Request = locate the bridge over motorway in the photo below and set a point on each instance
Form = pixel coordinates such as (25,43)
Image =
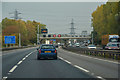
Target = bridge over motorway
(64,38)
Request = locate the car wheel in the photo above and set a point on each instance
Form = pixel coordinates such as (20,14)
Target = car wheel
(38,58)
(55,57)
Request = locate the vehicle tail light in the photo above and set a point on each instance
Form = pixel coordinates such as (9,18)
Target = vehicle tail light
(55,51)
(39,51)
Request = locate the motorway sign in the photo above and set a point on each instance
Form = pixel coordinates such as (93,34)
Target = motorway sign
(59,35)
(44,31)
(53,41)
(54,35)
(10,39)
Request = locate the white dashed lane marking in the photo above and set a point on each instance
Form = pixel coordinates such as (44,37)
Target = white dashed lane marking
(20,62)
(23,59)
(100,77)
(4,78)
(13,68)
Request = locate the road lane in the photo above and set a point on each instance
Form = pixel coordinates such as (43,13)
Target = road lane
(33,68)
(98,67)
(69,65)
(10,58)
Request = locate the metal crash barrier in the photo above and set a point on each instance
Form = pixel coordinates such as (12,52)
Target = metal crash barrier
(113,54)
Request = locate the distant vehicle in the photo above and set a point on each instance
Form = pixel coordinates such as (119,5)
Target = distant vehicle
(47,42)
(77,44)
(70,45)
(109,38)
(56,45)
(113,46)
(62,44)
(47,51)
(83,46)
(91,46)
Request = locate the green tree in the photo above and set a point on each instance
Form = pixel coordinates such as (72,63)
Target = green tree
(104,21)
(28,30)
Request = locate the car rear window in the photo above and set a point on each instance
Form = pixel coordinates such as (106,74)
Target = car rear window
(91,46)
(47,47)
(112,45)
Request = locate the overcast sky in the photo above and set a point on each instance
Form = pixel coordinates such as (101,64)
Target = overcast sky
(56,15)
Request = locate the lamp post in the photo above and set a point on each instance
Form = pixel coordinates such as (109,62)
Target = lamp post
(19,39)
(38,36)
(92,35)
(19,35)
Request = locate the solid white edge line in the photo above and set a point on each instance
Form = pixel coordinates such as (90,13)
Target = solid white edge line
(13,68)
(60,57)
(67,61)
(107,61)
(81,68)
(94,58)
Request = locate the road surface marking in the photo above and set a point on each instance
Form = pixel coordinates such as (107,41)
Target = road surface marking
(26,56)
(93,57)
(4,78)
(60,57)
(13,68)
(20,62)
(100,59)
(81,68)
(67,61)
(23,59)
(86,56)
(100,77)
(107,61)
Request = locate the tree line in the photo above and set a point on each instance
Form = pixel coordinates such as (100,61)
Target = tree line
(27,29)
(106,20)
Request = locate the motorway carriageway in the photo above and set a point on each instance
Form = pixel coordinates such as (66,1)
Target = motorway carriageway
(23,63)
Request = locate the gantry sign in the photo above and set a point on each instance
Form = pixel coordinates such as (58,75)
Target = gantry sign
(59,36)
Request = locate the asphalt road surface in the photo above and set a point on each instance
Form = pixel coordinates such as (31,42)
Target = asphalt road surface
(23,63)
